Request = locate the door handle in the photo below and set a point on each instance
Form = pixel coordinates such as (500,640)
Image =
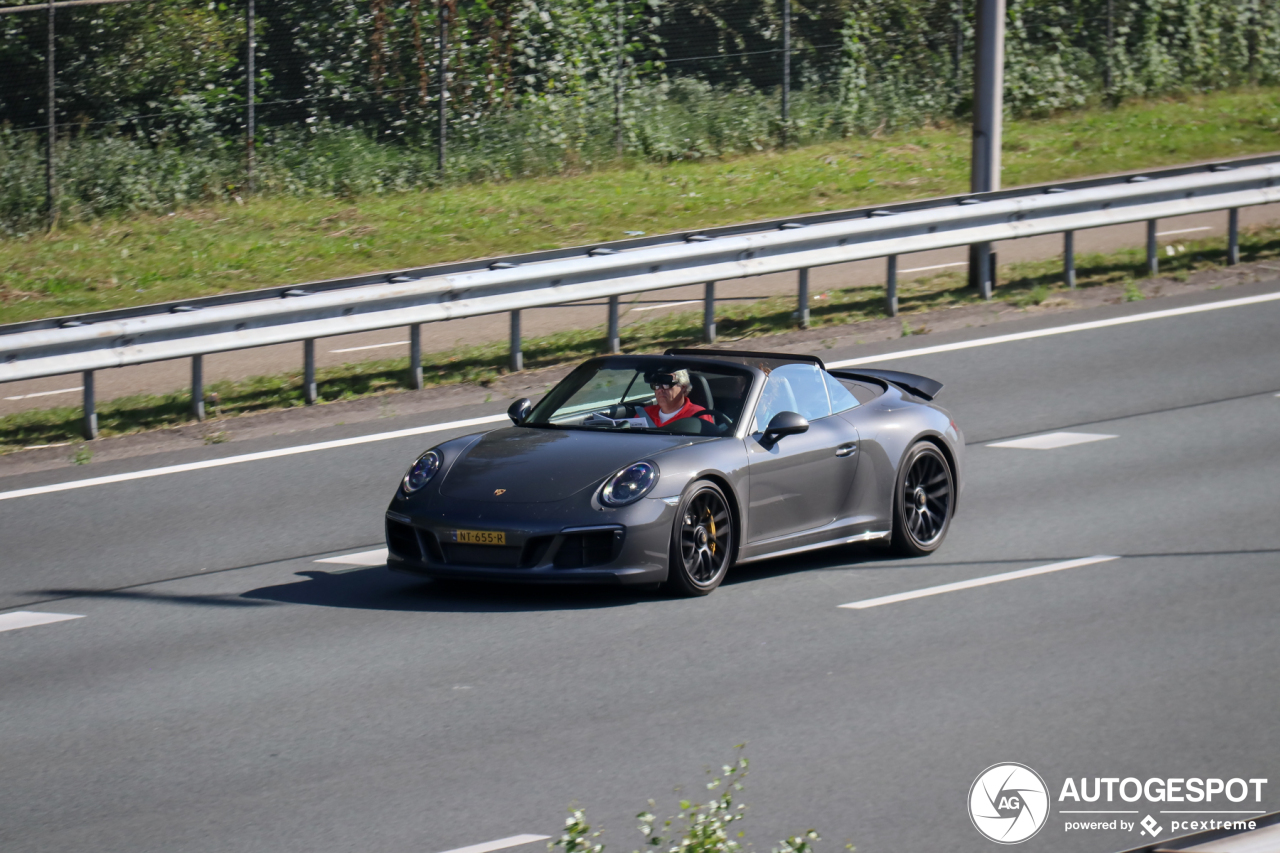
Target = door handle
(847,449)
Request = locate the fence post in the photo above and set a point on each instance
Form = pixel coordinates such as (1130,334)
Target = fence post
(1153,257)
(517,353)
(891,285)
(802,299)
(1069,257)
(250,49)
(90,429)
(1233,236)
(786,68)
(444,83)
(415,356)
(51,102)
(197,387)
(309,371)
(709,314)
(615,342)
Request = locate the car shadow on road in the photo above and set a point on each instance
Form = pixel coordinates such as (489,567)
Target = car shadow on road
(379,588)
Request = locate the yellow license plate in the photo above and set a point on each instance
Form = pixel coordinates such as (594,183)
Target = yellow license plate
(480,537)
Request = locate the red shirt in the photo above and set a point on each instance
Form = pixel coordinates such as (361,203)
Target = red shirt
(689,409)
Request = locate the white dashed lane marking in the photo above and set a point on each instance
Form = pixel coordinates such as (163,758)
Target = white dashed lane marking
(376,557)
(666,305)
(28,619)
(1052,440)
(500,844)
(989,579)
(47,393)
(372,346)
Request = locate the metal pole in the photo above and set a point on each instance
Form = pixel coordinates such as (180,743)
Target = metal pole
(1233,236)
(50,169)
(415,356)
(309,371)
(891,285)
(250,117)
(197,387)
(90,413)
(615,342)
(444,84)
(517,355)
(617,89)
(802,299)
(1107,78)
(709,314)
(1069,257)
(786,67)
(1153,258)
(988,107)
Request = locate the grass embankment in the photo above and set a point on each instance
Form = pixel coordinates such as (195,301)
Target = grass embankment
(277,240)
(1022,284)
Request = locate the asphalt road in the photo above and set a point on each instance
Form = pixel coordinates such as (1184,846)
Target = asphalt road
(169,376)
(225,691)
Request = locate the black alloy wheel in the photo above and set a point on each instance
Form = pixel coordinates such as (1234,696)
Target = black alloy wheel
(924,500)
(702,541)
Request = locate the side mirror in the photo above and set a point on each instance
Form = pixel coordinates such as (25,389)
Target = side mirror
(783,423)
(520,409)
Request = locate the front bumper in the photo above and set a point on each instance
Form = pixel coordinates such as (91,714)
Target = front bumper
(545,543)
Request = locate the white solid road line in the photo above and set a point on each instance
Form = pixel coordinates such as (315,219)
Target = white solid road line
(1060,330)
(666,305)
(990,579)
(26,619)
(372,346)
(500,844)
(936,267)
(47,393)
(1183,231)
(376,557)
(248,457)
(1052,440)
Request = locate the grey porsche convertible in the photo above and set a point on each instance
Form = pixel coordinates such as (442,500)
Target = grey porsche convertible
(671,469)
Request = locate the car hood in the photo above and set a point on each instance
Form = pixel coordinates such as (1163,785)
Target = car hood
(529,465)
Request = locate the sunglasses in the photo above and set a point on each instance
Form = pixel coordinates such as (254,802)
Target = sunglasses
(661,386)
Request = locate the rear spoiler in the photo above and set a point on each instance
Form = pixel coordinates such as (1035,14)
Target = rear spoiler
(920,386)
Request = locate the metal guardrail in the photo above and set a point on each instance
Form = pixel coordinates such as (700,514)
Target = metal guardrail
(414,297)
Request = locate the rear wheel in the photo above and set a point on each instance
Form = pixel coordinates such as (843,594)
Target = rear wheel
(923,501)
(701,541)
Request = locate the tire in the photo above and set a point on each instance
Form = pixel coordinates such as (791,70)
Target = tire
(702,541)
(923,501)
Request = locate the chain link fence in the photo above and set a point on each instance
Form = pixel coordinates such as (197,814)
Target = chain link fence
(161,103)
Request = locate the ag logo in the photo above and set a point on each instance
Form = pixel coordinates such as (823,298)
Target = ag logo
(1008,803)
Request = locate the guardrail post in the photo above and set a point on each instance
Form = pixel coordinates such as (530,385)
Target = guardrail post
(90,413)
(517,355)
(1069,257)
(891,285)
(709,314)
(1233,236)
(415,356)
(1153,258)
(197,387)
(802,299)
(982,262)
(309,371)
(615,342)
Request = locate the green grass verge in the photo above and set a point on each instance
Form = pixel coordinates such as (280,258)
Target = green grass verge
(1021,285)
(269,240)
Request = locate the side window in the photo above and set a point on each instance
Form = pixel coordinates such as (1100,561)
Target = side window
(842,398)
(792,388)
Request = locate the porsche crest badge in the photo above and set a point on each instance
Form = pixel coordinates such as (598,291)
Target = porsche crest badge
(499,491)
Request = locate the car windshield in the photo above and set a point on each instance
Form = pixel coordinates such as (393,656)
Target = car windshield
(650,395)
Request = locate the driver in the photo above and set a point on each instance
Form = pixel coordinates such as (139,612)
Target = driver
(672,391)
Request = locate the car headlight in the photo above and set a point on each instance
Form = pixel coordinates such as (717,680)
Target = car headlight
(421,472)
(630,484)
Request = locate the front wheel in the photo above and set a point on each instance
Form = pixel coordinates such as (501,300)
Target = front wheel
(923,501)
(701,541)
